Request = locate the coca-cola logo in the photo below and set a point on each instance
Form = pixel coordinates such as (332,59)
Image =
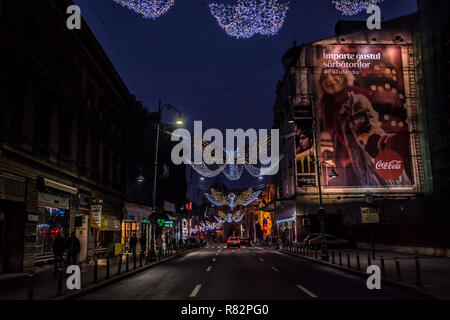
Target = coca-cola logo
(389,165)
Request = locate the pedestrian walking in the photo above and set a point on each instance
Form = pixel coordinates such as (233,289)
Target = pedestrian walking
(133,242)
(143,243)
(73,249)
(59,246)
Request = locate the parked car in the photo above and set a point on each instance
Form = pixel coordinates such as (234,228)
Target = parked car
(246,242)
(331,242)
(233,242)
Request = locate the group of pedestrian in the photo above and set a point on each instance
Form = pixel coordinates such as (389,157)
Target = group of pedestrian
(134,241)
(72,246)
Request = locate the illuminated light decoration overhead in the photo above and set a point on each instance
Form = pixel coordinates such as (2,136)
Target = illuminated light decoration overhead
(150,9)
(353,7)
(230,218)
(244,199)
(231,168)
(250,17)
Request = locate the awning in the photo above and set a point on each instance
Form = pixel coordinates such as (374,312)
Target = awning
(59,186)
(109,223)
(285,210)
(136,212)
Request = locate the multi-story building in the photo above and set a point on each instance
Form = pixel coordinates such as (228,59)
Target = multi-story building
(348,108)
(61,136)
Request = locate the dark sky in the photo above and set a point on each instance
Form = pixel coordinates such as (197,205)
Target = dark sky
(186,59)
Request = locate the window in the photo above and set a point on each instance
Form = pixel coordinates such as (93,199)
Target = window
(51,222)
(65,132)
(43,117)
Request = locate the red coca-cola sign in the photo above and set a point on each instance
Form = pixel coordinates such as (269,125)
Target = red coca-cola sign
(389,165)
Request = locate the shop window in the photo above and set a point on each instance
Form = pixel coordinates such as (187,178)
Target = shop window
(51,222)
(102,239)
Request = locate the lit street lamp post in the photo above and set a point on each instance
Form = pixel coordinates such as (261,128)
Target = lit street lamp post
(179,122)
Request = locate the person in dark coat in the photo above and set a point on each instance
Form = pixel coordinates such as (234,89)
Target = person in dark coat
(59,246)
(73,249)
(143,243)
(133,242)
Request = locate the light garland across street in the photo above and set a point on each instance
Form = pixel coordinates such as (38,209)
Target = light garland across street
(150,9)
(353,7)
(250,17)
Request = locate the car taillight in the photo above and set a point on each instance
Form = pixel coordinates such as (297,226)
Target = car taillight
(239,241)
(229,241)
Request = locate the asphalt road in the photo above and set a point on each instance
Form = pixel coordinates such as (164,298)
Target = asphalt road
(219,273)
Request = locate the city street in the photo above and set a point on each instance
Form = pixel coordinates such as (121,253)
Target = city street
(216,272)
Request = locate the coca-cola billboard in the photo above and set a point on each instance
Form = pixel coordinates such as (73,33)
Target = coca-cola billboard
(364,117)
(389,165)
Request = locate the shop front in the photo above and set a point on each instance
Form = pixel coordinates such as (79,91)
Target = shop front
(285,212)
(105,231)
(136,221)
(53,220)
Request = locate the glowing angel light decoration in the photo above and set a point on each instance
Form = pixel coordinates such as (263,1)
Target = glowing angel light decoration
(150,9)
(353,7)
(250,17)
(231,168)
(244,199)
(230,218)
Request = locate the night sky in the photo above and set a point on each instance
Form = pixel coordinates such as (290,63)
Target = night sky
(186,59)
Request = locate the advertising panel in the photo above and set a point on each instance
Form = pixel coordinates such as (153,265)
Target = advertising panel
(304,148)
(363,116)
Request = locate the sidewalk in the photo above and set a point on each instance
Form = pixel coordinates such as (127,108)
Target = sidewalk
(16,286)
(433,276)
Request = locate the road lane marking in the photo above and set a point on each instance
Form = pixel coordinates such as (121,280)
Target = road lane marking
(209,269)
(261,259)
(275,269)
(195,291)
(309,293)
(214,260)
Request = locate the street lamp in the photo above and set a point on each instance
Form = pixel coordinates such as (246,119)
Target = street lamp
(179,121)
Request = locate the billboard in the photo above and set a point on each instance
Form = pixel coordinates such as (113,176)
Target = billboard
(363,116)
(304,148)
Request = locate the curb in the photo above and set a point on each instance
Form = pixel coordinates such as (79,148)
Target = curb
(362,274)
(114,279)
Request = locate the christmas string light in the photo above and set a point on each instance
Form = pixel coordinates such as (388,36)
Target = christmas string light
(353,7)
(150,9)
(250,17)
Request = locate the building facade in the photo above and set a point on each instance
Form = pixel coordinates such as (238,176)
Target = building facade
(62,148)
(349,114)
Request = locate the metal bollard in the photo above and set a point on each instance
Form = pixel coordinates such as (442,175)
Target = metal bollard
(358,263)
(95,270)
(119,267)
(107,267)
(382,267)
(315,253)
(159,254)
(140,258)
(369,260)
(134,261)
(397,267)
(348,260)
(126,263)
(148,258)
(31,276)
(332,257)
(418,277)
(60,280)
(340,258)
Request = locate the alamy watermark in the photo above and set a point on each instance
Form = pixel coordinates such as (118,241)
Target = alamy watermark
(232,151)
